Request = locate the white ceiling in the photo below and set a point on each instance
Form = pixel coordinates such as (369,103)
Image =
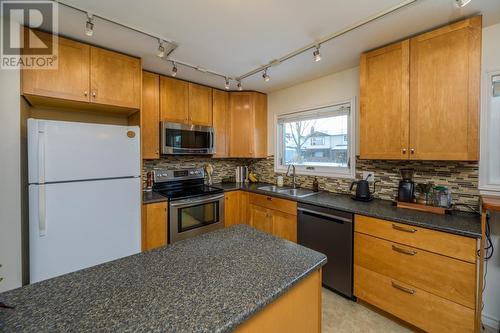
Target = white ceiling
(236,36)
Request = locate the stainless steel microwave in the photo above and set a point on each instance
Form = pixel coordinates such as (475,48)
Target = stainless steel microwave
(178,139)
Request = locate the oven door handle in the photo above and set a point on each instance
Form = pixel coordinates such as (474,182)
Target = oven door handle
(194,202)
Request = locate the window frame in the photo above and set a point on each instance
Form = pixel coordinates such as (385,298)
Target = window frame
(486,186)
(321,171)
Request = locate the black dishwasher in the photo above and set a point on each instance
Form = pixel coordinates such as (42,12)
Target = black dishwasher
(330,232)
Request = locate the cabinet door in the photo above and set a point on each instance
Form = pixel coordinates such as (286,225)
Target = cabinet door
(261,219)
(232,212)
(174,100)
(150,129)
(69,81)
(220,121)
(200,105)
(444,92)
(115,79)
(384,102)
(260,125)
(284,225)
(241,125)
(154,225)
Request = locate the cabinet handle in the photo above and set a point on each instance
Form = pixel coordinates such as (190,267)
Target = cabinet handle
(404,151)
(269,198)
(412,151)
(94,94)
(398,228)
(403,251)
(85,93)
(404,289)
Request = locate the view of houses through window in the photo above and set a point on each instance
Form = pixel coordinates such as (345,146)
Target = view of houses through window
(316,139)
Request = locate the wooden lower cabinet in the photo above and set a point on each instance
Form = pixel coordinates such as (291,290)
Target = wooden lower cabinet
(154,225)
(424,277)
(298,310)
(274,216)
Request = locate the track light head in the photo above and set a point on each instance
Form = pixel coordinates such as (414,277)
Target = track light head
(161,49)
(89,25)
(227,84)
(265,76)
(462,3)
(239,86)
(317,54)
(174,69)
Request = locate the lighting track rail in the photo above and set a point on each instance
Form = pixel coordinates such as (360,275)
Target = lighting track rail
(165,53)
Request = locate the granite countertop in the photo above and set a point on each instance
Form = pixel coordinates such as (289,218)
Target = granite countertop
(460,223)
(152,197)
(210,283)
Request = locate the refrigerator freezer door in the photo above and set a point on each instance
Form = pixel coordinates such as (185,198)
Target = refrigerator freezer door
(61,151)
(82,224)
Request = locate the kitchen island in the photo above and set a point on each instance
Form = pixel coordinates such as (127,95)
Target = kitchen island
(232,279)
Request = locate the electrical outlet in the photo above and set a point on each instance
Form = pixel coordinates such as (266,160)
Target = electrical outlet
(369,175)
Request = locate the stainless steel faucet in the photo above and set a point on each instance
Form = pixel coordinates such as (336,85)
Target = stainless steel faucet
(293,175)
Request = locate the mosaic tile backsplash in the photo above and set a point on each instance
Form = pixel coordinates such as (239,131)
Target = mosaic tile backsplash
(460,177)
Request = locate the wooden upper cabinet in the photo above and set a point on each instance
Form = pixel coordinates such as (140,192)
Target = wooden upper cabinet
(384,107)
(220,103)
(200,105)
(150,128)
(247,124)
(174,100)
(69,81)
(115,78)
(431,111)
(444,92)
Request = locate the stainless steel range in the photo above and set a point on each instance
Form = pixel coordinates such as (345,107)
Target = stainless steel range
(194,208)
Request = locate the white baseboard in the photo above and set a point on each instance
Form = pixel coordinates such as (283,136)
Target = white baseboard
(490,321)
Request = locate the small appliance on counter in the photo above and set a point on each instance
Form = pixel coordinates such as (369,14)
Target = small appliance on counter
(363,190)
(241,174)
(441,197)
(406,189)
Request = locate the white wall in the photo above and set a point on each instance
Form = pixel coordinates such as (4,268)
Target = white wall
(491,312)
(325,90)
(10,180)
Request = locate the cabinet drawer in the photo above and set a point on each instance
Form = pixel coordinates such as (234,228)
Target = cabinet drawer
(420,308)
(454,246)
(285,206)
(449,278)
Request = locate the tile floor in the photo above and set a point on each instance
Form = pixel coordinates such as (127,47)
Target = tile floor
(341,315)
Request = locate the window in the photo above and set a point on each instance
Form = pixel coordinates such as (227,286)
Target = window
(317,141)
(489,165)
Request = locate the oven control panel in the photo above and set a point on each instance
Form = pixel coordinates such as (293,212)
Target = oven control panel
(168,175)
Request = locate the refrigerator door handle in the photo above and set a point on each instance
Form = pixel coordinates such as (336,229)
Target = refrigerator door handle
(42,216)
(41,153)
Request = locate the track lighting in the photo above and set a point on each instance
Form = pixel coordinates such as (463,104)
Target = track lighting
(174,69)
(227,85)
(161,49)
(462,3)
(265,76)
(89,25)
(239,86)
(317,54)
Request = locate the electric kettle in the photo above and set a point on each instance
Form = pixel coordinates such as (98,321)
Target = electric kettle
(363,190)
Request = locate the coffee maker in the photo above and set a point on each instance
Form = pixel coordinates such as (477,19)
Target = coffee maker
(406,189)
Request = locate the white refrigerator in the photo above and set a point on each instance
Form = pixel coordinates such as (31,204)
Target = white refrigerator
(84,195)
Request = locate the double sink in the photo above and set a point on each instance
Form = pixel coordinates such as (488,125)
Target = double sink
(293,192)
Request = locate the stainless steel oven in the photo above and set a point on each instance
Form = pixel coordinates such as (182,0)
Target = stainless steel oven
(194,216)
(186,139)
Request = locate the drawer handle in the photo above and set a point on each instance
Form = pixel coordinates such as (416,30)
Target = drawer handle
(269,198)
(404,289)
(397,227)
(403,251)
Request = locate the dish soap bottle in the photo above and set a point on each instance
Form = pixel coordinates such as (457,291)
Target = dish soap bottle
(315,185)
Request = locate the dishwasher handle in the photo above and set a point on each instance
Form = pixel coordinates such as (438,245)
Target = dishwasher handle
(335,218)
